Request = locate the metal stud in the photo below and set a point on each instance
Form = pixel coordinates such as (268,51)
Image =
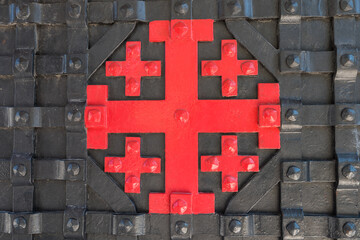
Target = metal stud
(125,225)
(19,223)
(349,229)
(293,61)
(181,227)
(19,170)
(292,115)
(293,228)
(348,114)
(349,171)
(235,226)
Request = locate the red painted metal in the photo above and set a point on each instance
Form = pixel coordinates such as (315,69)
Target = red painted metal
(132,165)
(229,68)
(133,69)
(182,116)
(229,163)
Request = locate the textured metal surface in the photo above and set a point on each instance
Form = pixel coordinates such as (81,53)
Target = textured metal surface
(53,188)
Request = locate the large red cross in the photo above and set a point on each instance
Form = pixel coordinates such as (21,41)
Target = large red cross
(182,116)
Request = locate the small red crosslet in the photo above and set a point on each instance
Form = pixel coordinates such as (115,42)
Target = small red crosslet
(133,69)
(229,68)
(133,165)
(229,163)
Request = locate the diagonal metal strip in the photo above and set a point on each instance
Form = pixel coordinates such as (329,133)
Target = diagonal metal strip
(108,44)
(256,44)
(107,189)
(258,186)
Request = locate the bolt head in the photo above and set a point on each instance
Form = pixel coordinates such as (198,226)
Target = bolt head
(22,117)
(21,64)
(181,116)
(94,115)
(229,49)
(248,68)
(230,145)
(347,60)
(115,163)
(22,11)
(293,173)
(181,7)
(234,6)
(291,6)
(292,115)
(74,10)
(180,206)
(211,68)
(248,164)
(293,61)
(133,147)
(151,68)
(75,63)
(229,87)
(180,29)
(133,85)
(125,225)
(19,170)
(73,225)
(349,229)
(270,115)
(132,182)
(151,165)
(73,169)
(346,5)
(349,171)
(126,11)
(348,114)
(235,226)
(230,183)
(19,223)
(74,116)
(181,227)
(293,228)
(114,69)
(213,163)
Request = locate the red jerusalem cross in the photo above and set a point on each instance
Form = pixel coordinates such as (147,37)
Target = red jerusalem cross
(182,116)
(229,68)
(132,165)
(229,163)
(133,69)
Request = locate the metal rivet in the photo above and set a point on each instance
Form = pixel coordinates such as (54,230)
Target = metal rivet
(179,206)
(347,60)
(22,116)
(19,223)
(74,10)
(22,11)
(346,5)
(234,7)
(235,226)
(349,171)
(292,115)
(291,6)
(270,115)
(181,115)
(181,227)
(21,64)
(73,225)
(74,116)
(126,11)
(19,170)
(293,228)
(293,173)
(73,169)
(181,7)
(293,61)
(125,225)
(349,229)
(75,63)
(348,114)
